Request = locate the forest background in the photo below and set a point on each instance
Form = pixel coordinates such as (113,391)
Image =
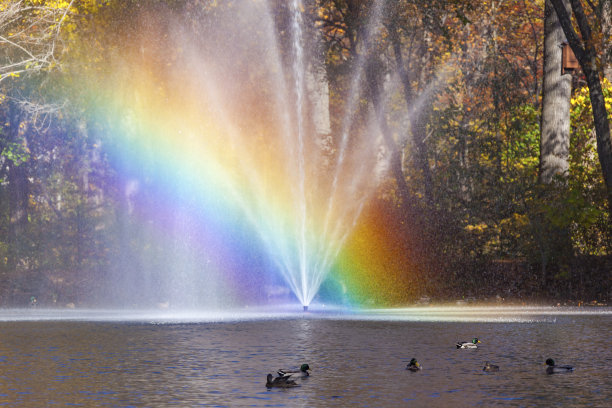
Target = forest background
(467,211)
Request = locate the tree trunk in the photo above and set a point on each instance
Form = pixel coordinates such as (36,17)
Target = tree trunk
(602,129)
(555,240)
(374,89)
(18,192)
(416,121)
(18,197)
(557,89)
(412,218)
(606,29)
(318,91)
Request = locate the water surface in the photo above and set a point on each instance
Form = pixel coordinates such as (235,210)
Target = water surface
(97,359)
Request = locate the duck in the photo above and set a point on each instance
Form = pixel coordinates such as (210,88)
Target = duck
(303,371)
(280,382)
(468,344)
(553,368)
(414,365)
(490,367)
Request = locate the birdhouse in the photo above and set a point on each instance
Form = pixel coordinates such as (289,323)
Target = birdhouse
(569,62)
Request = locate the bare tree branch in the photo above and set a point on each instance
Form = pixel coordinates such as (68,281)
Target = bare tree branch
(29,37)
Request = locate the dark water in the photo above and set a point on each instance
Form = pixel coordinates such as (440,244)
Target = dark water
(356,361)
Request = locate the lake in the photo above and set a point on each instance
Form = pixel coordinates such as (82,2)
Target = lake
(153,359)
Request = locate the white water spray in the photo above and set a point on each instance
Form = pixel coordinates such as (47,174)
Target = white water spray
(298,68)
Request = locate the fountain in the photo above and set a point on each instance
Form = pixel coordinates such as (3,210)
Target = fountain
(235,186)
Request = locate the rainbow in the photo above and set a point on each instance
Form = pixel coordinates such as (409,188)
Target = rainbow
(211,141)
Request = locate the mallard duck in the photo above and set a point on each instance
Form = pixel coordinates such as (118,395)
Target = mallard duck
(490,367)
(414,365)
(552,368)
(468,344)
(303,371)
(284,381)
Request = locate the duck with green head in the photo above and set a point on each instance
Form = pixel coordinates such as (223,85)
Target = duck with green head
(468,344)
(414,365)
(302,371)
(552,368)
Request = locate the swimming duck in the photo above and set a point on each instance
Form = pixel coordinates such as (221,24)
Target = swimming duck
(414,365)
(468,344)
(552,368)
(303,371)
(490,367)
(280,382)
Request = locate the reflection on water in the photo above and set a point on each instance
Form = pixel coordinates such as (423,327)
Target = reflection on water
(357,360)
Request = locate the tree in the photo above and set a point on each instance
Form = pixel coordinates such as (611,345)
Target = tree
(584,47)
